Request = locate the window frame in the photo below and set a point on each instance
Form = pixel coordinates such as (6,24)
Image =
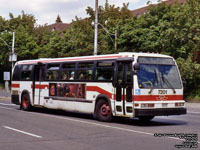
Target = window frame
(84,69)
(68,69)
(105,67)
(47,69)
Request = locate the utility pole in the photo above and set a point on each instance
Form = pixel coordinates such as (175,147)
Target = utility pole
(115,40)
(96,29)
(13,49)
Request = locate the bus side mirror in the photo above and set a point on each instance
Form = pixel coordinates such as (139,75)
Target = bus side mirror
(136,67)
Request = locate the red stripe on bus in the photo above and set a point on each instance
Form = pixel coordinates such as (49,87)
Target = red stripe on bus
(137,97)
(38,86)
(15,85)
(122,97)
(70,59)
(99,90)
(157,97)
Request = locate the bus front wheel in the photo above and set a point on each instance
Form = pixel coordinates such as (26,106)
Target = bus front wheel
(103,111)
(26,104)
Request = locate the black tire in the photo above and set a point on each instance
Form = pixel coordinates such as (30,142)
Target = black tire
(26,103)
(103,111)
(146,118)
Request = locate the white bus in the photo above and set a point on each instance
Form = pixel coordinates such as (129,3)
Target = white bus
(141,85)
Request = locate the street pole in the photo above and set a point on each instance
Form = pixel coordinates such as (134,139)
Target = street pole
(116,40)
(13,50)
(96,29)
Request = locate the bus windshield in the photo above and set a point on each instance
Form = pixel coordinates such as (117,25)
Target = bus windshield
(158,76)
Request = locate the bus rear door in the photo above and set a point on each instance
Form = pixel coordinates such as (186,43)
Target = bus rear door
(36,85)
(123,89)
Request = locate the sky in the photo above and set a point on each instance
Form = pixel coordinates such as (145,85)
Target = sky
(46,11)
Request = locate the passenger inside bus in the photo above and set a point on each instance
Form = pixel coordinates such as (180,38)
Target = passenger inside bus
(64,76)
(81,76)
(100,77)
(72,76)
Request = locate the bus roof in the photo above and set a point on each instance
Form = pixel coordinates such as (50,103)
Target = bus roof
(87,58)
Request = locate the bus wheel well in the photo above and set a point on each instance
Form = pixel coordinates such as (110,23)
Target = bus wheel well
(103,110)
(25,101)
(23,93)
(102,97)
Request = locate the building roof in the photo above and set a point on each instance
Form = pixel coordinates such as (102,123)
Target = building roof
(59,26)
(143,10)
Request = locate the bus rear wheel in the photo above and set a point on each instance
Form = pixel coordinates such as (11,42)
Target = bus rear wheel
(26,104)
(103,111)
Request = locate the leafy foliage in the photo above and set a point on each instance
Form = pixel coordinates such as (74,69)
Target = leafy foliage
(190,73)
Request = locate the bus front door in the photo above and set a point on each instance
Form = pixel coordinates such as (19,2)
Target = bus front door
(36,84)
(124,88)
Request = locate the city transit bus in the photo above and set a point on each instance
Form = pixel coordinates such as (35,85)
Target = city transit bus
(141,85)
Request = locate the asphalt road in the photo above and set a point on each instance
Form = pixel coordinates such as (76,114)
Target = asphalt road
(45,129)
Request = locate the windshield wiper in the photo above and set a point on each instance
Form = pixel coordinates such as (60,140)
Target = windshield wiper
(165,80)
(155,79)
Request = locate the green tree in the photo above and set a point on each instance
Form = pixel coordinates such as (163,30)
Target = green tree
(25,42)
(190,72)
(58,19)
(78,40)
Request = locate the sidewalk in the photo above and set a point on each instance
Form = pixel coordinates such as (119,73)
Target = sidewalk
(6,95)
(192,105)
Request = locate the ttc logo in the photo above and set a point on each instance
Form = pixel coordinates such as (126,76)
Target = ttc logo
(162,98)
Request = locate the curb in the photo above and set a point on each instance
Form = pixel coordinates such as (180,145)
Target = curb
(5,98)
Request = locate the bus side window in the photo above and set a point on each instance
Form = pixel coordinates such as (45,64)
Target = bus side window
(52,72)
(104,70)
(52,75)
(120,73)
(85,71)
(128,73)
(67,75)
(26,73)
(16,73)
(68,71)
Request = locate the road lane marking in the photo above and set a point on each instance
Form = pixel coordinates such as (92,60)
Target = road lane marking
(20,131)
(101,125)
(193,112)
(7,108)
(7,104)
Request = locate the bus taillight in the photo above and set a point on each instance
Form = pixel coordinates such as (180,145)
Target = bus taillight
(179,104)
(147,105)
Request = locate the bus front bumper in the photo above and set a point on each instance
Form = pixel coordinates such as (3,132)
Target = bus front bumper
(160,112)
